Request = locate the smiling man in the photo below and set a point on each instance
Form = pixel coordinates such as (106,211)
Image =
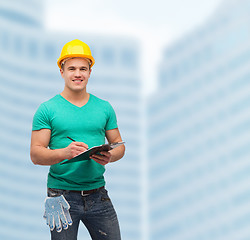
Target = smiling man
(76,191)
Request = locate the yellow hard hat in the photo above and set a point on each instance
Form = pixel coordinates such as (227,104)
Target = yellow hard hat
(75,48)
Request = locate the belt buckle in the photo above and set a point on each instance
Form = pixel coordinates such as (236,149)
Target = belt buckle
(84,194)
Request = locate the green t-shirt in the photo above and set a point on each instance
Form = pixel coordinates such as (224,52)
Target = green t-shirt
(83,124)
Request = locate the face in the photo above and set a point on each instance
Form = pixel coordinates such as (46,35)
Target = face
(76,73)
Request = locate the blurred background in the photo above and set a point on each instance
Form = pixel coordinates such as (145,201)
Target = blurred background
(178,76)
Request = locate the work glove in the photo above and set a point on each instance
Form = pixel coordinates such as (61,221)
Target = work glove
(57,213)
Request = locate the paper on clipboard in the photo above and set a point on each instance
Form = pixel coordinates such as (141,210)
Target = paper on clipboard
(94,150)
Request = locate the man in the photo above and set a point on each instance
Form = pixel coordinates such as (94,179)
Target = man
(76,191)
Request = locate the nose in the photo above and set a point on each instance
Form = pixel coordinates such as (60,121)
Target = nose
(77,73)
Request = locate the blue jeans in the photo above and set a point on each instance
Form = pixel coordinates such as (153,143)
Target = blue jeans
(94,210)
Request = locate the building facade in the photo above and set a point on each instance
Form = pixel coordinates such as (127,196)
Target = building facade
(28,76)
(198,133)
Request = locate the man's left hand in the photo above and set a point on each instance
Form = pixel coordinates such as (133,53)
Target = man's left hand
(102,159)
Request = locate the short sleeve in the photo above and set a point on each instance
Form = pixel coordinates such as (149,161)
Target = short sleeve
(112,120)
(41,118)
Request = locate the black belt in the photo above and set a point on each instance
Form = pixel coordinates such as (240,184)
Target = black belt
(85,192)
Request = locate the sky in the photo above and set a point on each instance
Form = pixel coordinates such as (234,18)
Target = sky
(157,24)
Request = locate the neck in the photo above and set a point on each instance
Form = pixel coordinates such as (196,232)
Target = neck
(77,98)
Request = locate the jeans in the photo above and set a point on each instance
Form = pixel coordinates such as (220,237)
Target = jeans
(94,210)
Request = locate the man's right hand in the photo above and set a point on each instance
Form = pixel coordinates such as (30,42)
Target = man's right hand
(40,153)
(74,149)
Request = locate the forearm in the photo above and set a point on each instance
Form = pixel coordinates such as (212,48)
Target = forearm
(117,153)
(44,156)
(41,155)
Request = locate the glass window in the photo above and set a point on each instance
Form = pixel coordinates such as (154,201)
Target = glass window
(32,49)
(50,52)
(5,40)
(18,45)
(128,58)
(108,55)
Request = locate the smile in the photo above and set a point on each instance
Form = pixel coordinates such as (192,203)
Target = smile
(77,80)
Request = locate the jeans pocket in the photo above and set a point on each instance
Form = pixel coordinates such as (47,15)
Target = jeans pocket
(104,196)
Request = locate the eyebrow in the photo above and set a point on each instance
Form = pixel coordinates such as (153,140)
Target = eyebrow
(70,67)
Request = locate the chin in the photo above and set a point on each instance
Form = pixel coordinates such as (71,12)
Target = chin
(78,89)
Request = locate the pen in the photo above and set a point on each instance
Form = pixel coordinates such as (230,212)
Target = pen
(71,139)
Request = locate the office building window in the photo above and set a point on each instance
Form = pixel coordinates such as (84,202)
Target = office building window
(5,40)
(108,56)
(128,58)
(50,52)
(18,45)
(33,49)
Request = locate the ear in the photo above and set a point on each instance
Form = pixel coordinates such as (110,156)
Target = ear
(61,71)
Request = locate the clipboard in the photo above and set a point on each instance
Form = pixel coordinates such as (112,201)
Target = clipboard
(94,150)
